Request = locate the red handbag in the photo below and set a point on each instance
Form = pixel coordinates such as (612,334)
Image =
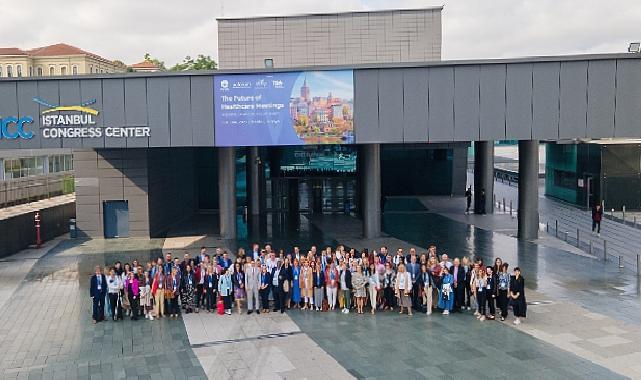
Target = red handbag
(220,306)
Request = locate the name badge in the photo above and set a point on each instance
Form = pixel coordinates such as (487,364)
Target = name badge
(159,286)
(489,287)
(295,277)
(211,285)
(99,287)
(189,282)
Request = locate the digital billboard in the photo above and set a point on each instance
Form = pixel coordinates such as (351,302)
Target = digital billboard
(289,108)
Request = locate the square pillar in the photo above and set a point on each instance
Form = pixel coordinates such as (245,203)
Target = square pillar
(371,156)
(484,177)
(227,191)
(528,209)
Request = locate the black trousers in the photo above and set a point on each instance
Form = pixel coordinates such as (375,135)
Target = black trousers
(416,302)
(210,298)
(467,294)
(264,298)
(503,302)
(491,304)
(276,294)
(284,296)
(389,296)
(199,296)
(135,306)
(98,308)
(116,307)
(459,296)
(173,305)
(481,297)
(227,302)
(596,225)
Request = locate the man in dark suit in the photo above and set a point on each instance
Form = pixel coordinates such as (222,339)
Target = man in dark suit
(458,272)
(98,292)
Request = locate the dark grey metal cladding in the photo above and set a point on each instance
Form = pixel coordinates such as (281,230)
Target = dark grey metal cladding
(627,122)
(202,110)
(8,108)
(601,98)
(158,106)
(49,91)
(366,128)
(113,109)
(492,102)
(27,107)
(518,110)
(440,118)
(466,103)
(136,110)
(180,126)
(390,102)
(573,100)
(545,101)
(415,89)
(89,90)
(70,95)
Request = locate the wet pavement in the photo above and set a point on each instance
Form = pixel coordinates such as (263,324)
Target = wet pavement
(46,329)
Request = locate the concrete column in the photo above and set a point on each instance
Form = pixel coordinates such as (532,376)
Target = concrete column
(483,177)
(227,192)
(371,155)
(254,168)
(528,211)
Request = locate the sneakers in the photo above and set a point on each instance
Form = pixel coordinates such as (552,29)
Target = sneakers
(482,318)
(446,312)
(502,319)
(469,308)
(477,314)
(517,321)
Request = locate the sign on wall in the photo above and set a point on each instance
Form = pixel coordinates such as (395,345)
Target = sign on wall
(291,108)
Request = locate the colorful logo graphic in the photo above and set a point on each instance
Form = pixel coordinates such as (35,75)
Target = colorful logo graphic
(82,107)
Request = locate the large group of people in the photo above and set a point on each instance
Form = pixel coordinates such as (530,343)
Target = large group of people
(264,280)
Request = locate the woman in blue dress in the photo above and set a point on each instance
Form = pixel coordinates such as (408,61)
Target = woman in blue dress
(296,284)
(446,294)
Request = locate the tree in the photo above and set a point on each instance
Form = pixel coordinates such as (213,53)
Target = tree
(158,63)
(202,62)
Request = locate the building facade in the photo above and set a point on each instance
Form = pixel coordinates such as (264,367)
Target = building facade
(54,60)
(350,38)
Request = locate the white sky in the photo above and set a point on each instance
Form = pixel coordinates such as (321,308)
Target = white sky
(170,30)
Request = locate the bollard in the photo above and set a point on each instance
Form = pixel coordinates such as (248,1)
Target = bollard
(556,228)
(620,261)
(638,265)
(634,222)
(590,247)
(510,207)
(612,214)
(605,250)
(578,241)
(504,204)
(623,214)
(547,227)
(566,236)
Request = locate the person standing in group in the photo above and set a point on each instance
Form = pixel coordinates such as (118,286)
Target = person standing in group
(491,293)
(331,283)
(145,296)
(414,270)
(114,287)
(133,291)
(597,215)
(358,284)
(373,285)
(345,280)
(306,285)
(468,197)
(265,281)
(503,285)
(403,289)
(98,292)
(188,286)
(458,275)
(389,284)
(426,284)
(172,290)
(158,291)
(286,275)
(276,284)
(296,293)
(446,295)
(318,280)
(480,292)
(225,288)
(517,294)
(465,263)
(238,281)
(252,286)
(211,289)
(126,305)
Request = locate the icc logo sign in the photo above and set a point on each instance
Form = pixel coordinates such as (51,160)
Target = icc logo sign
(11,128)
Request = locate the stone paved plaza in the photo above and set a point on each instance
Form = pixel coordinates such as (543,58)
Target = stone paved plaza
(586,327)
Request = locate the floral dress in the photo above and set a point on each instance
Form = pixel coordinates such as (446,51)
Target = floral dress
(358,284)
(187,297)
